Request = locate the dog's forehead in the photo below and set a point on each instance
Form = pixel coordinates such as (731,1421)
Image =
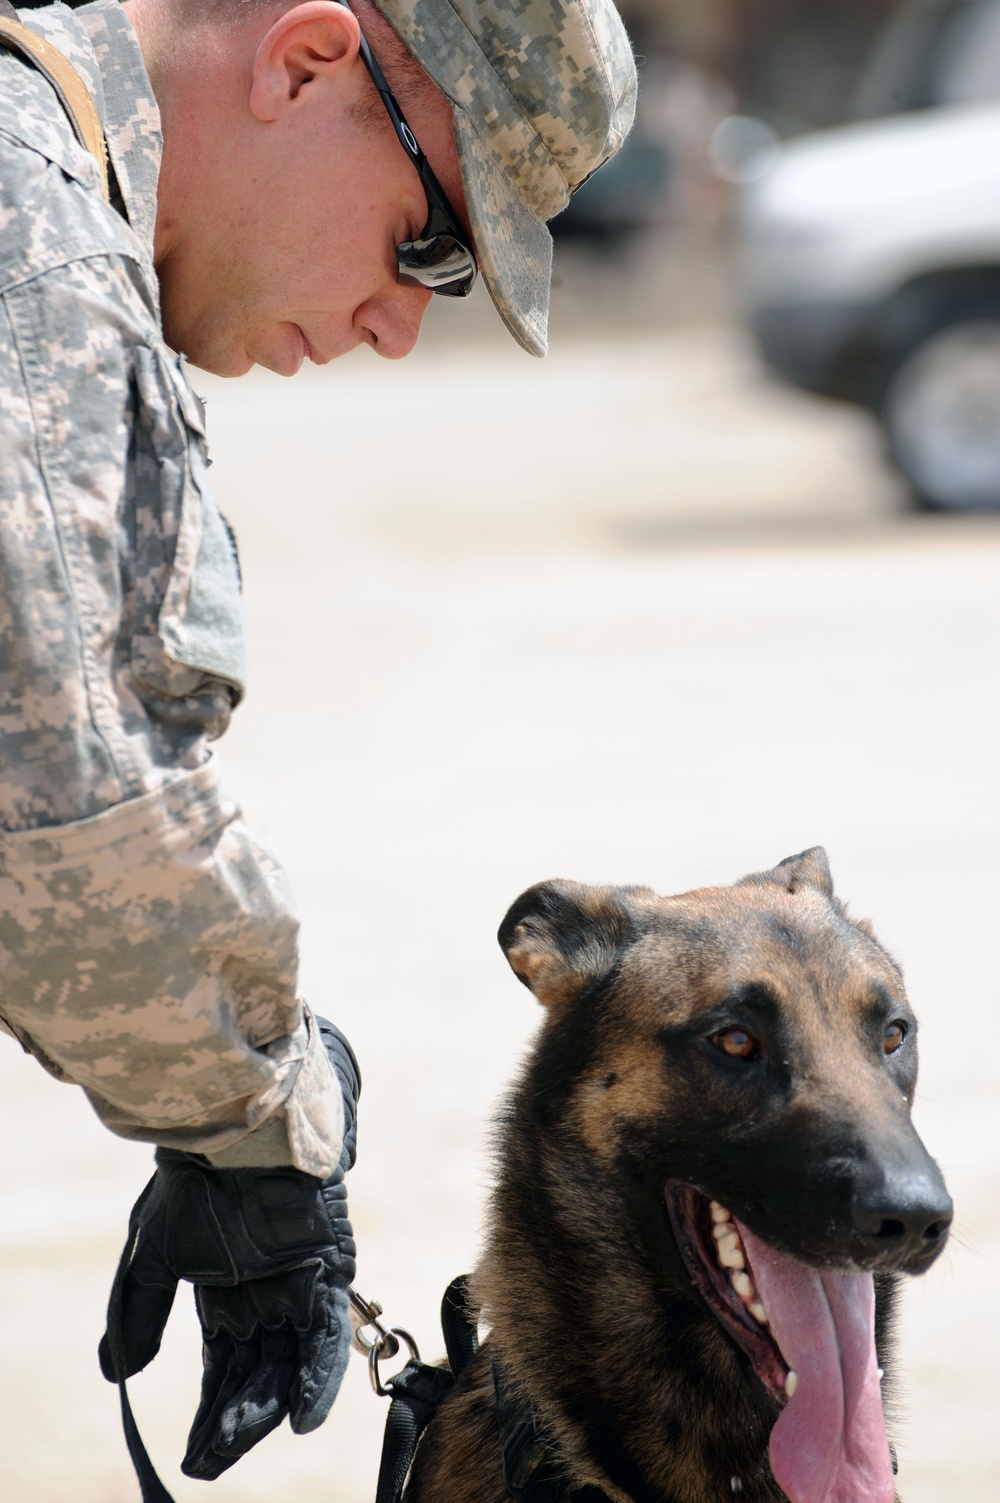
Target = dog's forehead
(725,937)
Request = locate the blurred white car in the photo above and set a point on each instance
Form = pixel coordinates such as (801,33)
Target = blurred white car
(872,253)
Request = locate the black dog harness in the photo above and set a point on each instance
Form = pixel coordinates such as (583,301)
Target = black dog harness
(533,1469)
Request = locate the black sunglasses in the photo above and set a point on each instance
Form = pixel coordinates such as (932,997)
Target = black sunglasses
(440,258)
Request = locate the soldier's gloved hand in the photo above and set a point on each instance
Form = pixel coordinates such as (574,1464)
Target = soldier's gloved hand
(271,1254)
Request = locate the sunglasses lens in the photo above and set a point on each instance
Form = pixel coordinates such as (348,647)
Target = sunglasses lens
(439,262)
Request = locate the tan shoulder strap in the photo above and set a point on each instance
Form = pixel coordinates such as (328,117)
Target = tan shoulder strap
(69,86)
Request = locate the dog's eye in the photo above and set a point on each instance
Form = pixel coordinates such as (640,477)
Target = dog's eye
(894,1035)
(737,1043)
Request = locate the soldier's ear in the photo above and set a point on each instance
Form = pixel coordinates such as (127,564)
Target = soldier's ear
(808,869)
(560,936)
(301,57)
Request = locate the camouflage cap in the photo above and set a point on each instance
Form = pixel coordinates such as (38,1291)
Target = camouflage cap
(543,94)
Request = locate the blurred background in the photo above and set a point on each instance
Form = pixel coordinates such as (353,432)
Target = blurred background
(714,582)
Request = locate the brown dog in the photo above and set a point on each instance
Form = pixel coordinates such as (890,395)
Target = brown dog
(708,1180)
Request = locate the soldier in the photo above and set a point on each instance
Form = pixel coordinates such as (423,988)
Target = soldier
(263,199)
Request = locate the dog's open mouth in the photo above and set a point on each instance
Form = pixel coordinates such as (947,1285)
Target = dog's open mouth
(809,1335)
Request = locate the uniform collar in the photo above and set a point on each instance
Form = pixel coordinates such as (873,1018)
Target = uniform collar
(131,116)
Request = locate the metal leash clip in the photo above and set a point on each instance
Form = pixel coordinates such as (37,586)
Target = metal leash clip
(383,1344)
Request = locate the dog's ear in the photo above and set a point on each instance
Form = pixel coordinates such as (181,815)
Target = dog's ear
(808,869)
(559,936)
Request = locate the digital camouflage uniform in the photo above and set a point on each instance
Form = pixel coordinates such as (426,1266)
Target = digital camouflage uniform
(147,944)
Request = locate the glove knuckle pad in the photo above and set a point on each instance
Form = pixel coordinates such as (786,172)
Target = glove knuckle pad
(283,1212)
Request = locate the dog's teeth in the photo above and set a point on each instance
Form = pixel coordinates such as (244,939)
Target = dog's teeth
(743,1284)
(719,1212)
(791,1383)
(730,1253)
(724,1229)
(759,1313)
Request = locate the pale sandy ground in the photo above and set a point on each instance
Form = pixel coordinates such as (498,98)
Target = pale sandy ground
(630,615)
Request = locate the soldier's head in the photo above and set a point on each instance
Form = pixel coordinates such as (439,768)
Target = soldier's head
(300,216)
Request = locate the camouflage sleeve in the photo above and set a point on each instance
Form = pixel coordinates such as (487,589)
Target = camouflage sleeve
(148,947)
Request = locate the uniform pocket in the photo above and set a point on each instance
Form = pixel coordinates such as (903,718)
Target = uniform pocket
(188,643)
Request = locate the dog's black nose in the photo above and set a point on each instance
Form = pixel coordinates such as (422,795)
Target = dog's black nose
(904,1215)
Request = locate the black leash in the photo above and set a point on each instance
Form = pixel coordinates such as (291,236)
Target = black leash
(416,1391)
(150,1485)
(532,1467)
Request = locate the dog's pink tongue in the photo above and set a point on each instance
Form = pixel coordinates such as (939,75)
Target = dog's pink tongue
(829,1444)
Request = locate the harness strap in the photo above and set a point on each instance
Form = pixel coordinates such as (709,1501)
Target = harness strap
(419,1389)
(461,1336)
(533,1470)
(416,1393)
(70,88)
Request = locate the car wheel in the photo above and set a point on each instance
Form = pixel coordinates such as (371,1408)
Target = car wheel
(941,410)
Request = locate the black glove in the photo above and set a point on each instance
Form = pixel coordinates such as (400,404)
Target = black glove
(271,1254)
